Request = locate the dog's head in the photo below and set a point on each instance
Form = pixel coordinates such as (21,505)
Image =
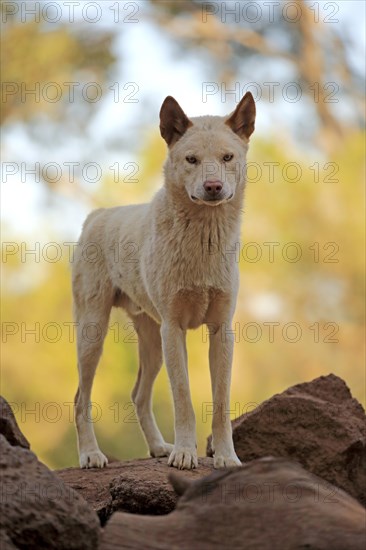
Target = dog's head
(207,155)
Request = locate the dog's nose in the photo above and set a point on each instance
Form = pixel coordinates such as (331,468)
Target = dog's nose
(212,187)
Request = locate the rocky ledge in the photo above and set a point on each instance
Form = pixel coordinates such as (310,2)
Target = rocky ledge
(302,485)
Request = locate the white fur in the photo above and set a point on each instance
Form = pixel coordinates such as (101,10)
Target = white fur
(168,264)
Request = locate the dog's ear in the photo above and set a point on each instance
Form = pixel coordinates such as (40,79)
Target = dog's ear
(242,120)
(173,121)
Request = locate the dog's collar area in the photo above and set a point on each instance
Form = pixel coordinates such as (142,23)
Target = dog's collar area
(212,202)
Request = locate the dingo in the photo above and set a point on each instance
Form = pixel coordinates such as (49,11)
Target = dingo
(182,276)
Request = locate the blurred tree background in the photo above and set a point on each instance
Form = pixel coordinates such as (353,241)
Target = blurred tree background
(82,87)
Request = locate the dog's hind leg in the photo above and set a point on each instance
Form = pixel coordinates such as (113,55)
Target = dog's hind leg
(91,331)
(150,361)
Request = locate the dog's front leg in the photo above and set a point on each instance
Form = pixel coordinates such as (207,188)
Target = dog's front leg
(184,454)
(221,355)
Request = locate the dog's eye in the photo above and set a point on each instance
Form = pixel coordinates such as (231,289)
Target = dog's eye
(191,159)
(227,157)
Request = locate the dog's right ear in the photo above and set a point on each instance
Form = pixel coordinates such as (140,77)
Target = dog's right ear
(173,121)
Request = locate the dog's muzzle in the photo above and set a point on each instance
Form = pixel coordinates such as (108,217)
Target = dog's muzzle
(212,193)
(211,201)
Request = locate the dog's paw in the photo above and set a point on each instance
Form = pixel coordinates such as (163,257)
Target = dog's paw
(226,461)
(183,458)
(165,449)
(93,459)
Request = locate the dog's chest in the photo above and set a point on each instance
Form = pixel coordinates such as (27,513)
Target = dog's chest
(201,256)
(188,307)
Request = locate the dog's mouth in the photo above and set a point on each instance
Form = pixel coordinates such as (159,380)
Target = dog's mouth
(212,202)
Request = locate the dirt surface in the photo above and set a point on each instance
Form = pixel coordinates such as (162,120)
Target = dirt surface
(137,486)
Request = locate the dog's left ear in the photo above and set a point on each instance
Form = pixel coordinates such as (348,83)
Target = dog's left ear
(242,120)
(173,121)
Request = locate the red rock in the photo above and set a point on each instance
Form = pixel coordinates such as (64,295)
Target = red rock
(266,505)
(37,510)
(9,427)
(138,486)
(319,424)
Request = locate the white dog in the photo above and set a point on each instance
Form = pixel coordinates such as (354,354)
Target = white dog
(181,277)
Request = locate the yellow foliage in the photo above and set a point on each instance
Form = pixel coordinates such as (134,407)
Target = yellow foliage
(313,306)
